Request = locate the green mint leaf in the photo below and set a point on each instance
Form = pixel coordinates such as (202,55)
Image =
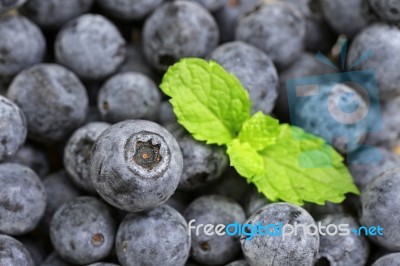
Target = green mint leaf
(259,131)
(208,101)
(298,167)
(247,162)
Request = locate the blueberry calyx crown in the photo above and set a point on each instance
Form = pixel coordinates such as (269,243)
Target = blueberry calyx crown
(147,154)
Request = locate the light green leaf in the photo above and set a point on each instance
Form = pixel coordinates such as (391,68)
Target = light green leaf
(208,101)
(247,161)
(259,131)
(302,167)
(298,167)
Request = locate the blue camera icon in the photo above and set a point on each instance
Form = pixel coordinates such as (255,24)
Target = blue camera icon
(342,108)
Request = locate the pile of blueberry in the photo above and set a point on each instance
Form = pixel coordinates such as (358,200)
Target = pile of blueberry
(95,170)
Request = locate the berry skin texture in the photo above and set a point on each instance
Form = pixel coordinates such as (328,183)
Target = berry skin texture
(152,238)
(343,250)
(202,163)
(53,100)
(91,46)
(82,231)
(6,5)
(165,42)
(33,157)
(55,260)
(103,264)
(392,259)
(255,71)
(136,165)
(22,199)
(13,252)
(388,10)
(384,43)
(253,201)
(77,154)
(228,15)
(266,250)
(129,96)
(211,5)
(129,9)
(15,52)
(52,14)
(363,173)
(387,136)
(59,190)
(13,128)
(277,28)
(213,209)
(238,263)
(380,200)
(354,15)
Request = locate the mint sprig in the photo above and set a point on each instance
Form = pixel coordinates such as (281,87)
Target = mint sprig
(284,162)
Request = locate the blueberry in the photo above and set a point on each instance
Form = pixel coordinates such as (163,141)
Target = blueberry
(306,65)
(253,201)
(334,114)
(379,201)
(129,96)
(13,252)
(320,211)
(52,14)
(164,40)
(179,200)
(266,250)
(6,5)
(77,154)
(55,260)
(91,46)
(13,128)
(53,100)
(255,71)
(103,264)
(230,185)
(238,263)
(387,10)
(202,163)
(211,5)
(228,15)
(367,164)
(319,34)
(22,199)
(16,53)
(129,9)
(136,165)
(342,250)
(156,237)
(277,28)
(59,190)
(135,61)
(33,157)
(166,114)
(36,248)
(82,231)
(392,259)
(387,135)
(381,40)
(213,209)
(354,15)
